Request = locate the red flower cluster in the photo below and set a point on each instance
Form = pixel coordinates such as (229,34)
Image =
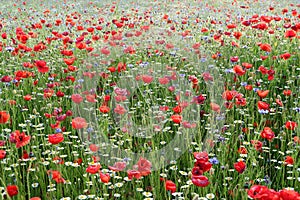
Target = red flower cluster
(260,192)
(201,165)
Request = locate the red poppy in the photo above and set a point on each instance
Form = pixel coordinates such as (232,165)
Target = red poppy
(177,109)
(258,192)
(133,174)
(20,138)
(289,195)
(257,144)
(262,105)
(35,198)
(201,156)
(41,66)
(91,98)
(278,102)
(2,154)
(27,97)
(200,181)
(290,34)
(196,171)
(289,160)
(104,109)
(12,190)
(291,125)
(56,138)
(240,166)
(287,92)
(263,70)
(249,87)
(163,80)
(144,166)
(93,169)
(266,47)
(69,61)
(56,176)
(170,186)
(120,109)
(267,133)
(4,117)
(239,70)
(176,119)
(76,98)
(79,123)
(118,166)
(263,93)
(215,107)
(242,150)
(94,147)
(147,78)
(104,177)
(285,56)
(204,166)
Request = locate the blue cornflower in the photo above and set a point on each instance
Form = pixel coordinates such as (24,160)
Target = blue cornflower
(214,161)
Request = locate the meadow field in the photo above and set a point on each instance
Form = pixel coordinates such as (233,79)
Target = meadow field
(144,100)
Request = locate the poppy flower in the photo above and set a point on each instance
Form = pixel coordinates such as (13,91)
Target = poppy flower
(104,109)
(278,102)
(19,138)
(267,133)
(56,138)
(285,56)
(201,156)
(163,80)
(6,79)
(2,154)
(105,51)
(291,125)
(170,186)
(12,190)
(177,109)
(79,123)
(118,166)
(200,181)
(204,166)
(104,177)
(239,70)
(242,150)
(289,160)
(147,78)
(257,144)
(263,93)
(287,92)
(120,109)
(144,166)
(196,171)
(215,107)
(263,70)
(240,166)
(133,174)
(289,194)
(35,198)
(262,105)
(93,169)
(4,117)
(41,66)
(56,176)
(266,47)
(258,192)
(176,119)
(76,98)
(290,34)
